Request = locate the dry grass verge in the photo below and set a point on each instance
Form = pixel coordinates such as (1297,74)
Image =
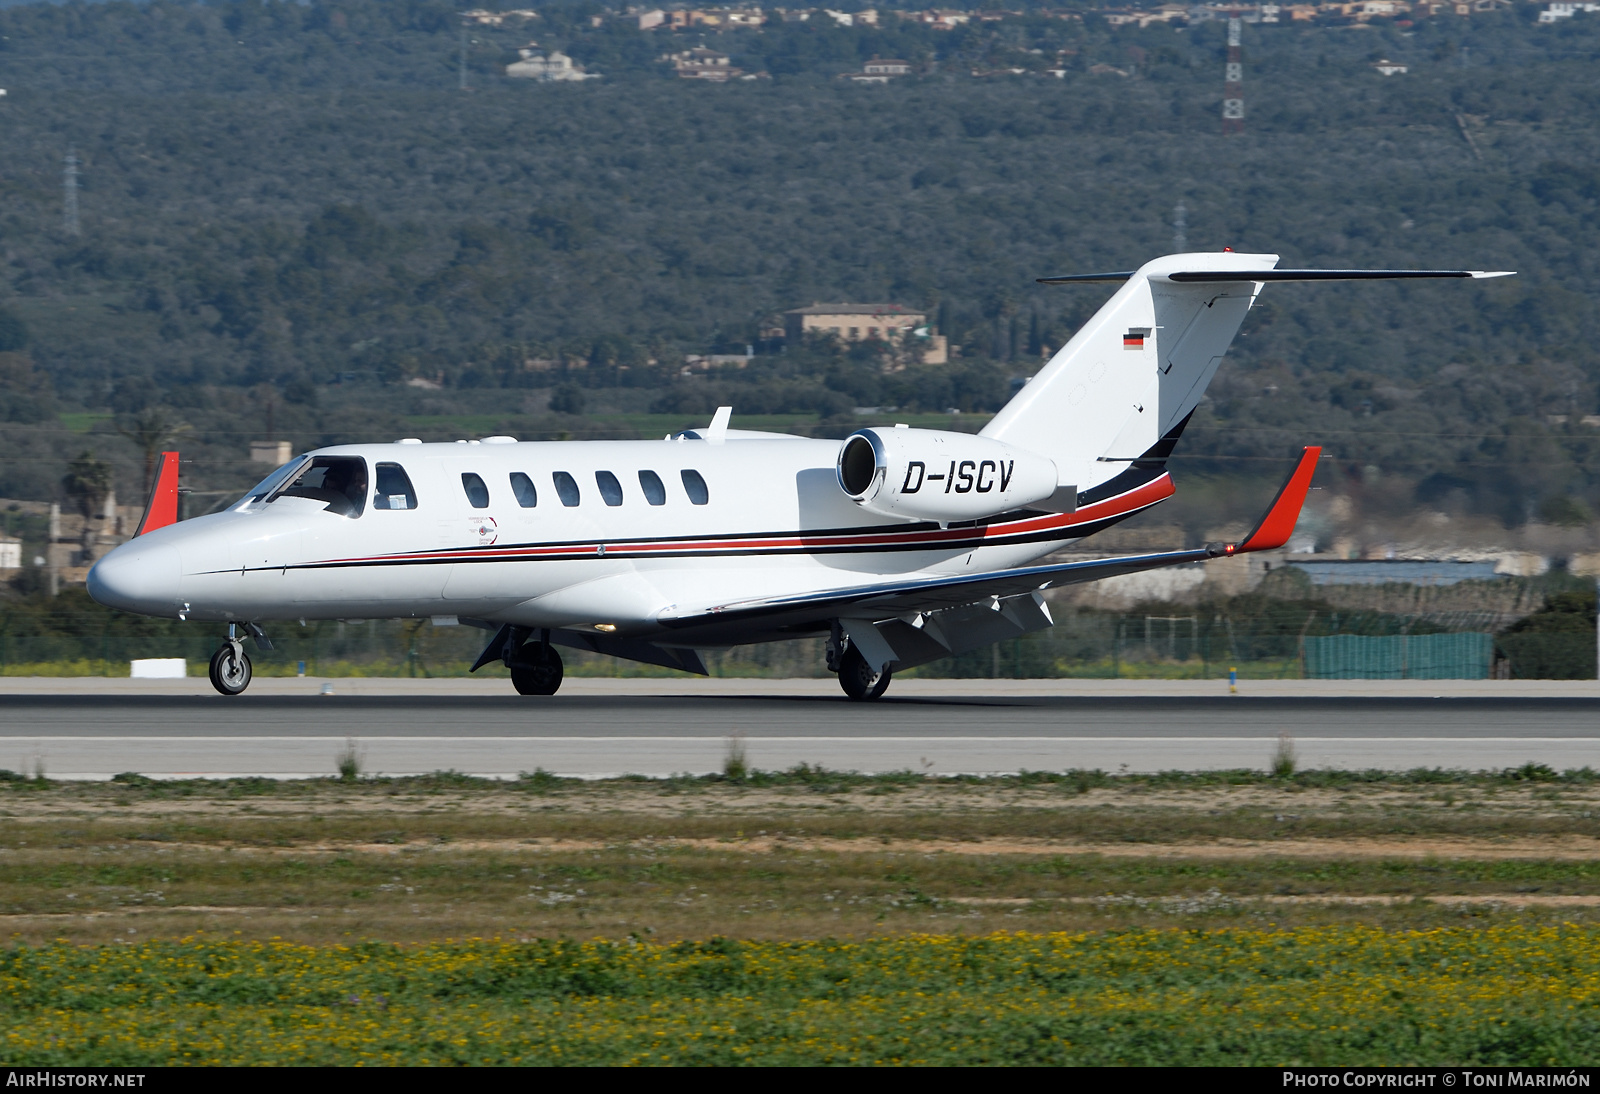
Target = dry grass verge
(807,854)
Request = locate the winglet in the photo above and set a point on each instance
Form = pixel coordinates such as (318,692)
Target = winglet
(162,509)
(1276,527)
(718,430)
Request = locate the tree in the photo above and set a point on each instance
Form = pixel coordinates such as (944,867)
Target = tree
(152,429)
(567,399)
(88,482)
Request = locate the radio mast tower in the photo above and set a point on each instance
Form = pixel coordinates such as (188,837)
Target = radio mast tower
(1180,228)
(69,186)
(462,83)
(1233,82)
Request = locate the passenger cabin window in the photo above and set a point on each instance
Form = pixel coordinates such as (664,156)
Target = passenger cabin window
(338,481)
(695,487)
(522,486)
(610,488)
(477,492)
(566,488)
(394,488)
(654,492)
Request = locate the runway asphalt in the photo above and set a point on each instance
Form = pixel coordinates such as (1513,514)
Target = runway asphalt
(288,728)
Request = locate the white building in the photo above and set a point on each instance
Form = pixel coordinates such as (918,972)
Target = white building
(556,67)
(1565,11)
(271,453)
(10,553)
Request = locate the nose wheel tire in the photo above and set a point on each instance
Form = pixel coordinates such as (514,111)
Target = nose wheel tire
(860,680)
(230,669)
(537,670)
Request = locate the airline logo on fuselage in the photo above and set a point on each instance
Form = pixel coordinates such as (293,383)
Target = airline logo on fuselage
(961,478)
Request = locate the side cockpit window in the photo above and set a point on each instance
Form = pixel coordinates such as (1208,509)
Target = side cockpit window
(393,489)
(522,486)
(340,482)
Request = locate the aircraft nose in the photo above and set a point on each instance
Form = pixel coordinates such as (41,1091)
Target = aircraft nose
(138,578)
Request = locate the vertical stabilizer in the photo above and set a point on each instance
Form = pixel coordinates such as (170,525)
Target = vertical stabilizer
(1135,370)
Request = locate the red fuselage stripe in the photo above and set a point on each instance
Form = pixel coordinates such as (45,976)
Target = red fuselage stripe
(924,539)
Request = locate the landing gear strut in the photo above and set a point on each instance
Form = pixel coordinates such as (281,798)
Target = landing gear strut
(230,666)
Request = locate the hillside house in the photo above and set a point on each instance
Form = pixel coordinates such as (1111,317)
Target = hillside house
(703,64)
(898,327)
(555,67)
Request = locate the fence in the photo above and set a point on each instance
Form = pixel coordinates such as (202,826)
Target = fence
(1399,657)
(1273,644)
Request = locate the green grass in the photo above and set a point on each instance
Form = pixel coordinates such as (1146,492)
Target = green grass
(1349,996)
(83,422)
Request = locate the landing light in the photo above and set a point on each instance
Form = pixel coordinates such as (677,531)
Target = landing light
(607,627)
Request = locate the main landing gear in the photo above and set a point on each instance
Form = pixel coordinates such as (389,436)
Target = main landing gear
(535,665)
(860,680)
(536,669)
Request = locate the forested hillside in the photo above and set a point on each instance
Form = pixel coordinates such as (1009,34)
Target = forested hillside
(289,210)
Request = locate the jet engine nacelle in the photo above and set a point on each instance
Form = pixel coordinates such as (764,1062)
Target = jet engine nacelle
(928,474)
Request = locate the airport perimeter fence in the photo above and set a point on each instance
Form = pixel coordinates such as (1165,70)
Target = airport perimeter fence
(1279,644)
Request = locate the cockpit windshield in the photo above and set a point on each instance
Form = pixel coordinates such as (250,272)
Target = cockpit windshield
(340,482)
(262,490)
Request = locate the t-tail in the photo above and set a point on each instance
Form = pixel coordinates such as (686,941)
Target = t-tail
(1115,398)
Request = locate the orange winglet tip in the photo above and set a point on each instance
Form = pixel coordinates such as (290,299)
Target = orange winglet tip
(162,508)
(1278,525)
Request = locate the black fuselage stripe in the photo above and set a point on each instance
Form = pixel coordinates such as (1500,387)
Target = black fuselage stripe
(469,555)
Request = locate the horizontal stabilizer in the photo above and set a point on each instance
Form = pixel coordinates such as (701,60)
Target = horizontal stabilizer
(1068,279)
(1233,276)
(1182,276)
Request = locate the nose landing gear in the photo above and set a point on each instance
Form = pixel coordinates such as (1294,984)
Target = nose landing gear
(230,667)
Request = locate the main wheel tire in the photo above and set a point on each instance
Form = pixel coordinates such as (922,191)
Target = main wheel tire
(230,670)
(859,679)
(537,670)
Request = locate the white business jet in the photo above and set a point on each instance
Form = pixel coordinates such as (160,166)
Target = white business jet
(900,545)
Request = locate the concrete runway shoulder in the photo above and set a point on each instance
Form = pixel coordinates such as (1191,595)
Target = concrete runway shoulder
(288,728)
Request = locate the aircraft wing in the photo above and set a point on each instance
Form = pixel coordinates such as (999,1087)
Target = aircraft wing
(890,598)
(885,599)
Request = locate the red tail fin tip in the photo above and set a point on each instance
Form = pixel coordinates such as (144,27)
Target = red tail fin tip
(1276,527)
(162,509)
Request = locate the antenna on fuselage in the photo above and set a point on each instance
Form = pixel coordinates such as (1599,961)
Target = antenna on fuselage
(717,431)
